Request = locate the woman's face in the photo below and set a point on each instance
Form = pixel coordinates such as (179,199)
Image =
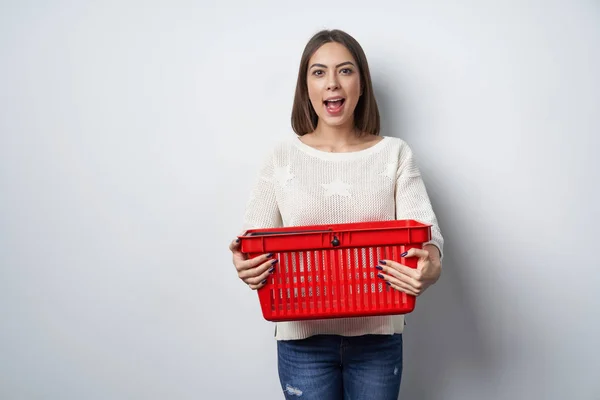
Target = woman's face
(333,84)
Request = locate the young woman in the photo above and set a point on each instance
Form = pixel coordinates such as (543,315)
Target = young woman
(338,169)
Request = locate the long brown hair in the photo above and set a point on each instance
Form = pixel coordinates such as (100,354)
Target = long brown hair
(366,113)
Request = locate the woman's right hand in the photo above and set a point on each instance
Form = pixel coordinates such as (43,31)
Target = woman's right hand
(255,271)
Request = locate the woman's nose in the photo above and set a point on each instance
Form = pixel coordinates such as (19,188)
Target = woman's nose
(332,83)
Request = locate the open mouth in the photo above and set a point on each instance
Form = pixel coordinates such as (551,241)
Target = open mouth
(334,105)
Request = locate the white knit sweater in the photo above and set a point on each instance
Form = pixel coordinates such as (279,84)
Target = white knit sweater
(300,185)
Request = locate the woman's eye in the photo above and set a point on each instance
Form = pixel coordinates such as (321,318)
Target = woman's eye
(318,72)
(346,71)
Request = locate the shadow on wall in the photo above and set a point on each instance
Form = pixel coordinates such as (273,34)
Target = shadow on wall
(443,342)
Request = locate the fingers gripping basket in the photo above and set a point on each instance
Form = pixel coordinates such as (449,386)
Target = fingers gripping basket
(328,271)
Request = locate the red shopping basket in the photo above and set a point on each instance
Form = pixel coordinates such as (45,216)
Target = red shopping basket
(328,271)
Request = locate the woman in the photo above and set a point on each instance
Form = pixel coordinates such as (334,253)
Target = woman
(337,169)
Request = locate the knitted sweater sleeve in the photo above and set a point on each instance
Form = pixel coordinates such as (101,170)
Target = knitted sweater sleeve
(412,200)
(262,210)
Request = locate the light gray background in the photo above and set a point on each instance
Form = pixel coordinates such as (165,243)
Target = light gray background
(131,132)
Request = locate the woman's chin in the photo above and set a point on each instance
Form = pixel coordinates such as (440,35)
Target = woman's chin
(335,122)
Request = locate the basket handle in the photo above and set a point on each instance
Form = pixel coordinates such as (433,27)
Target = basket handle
(288,232)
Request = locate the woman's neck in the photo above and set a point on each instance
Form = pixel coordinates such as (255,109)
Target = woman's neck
(338,139)
(345,134)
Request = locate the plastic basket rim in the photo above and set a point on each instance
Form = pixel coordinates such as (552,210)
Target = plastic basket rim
(327,228)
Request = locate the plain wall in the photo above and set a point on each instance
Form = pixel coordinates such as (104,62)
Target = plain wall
(130,135)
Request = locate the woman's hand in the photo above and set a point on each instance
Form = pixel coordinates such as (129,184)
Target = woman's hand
(409,280)
(253,272)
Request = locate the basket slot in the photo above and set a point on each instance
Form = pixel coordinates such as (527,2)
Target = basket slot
(317,290)
(379,283)
(312,285)
(342,280)
(358,273)
(401,295)
(392,293)
(389,251)
(365,282)
(370,283)
(276,291)
(295,281)
(325,270)
(340,292)
(343,270)
(364,274)
(286,285)
(300,267)
(305,288)
(351,299)
(353,271)
(307,281)
(271,291)
(331,278)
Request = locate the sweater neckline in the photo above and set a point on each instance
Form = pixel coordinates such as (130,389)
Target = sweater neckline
(347,155)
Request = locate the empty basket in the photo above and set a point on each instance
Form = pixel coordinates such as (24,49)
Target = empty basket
(328,271)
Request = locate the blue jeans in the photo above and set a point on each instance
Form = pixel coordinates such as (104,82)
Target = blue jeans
(331,367)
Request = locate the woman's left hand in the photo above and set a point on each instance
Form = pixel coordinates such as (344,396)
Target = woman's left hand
(409,280)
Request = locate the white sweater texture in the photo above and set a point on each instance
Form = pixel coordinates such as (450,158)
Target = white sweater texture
(299,185)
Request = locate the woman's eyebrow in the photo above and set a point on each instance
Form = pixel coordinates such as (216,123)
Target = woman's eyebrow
(337,66)
(345,63)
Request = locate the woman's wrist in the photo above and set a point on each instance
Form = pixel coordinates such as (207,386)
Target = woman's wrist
(434,251)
